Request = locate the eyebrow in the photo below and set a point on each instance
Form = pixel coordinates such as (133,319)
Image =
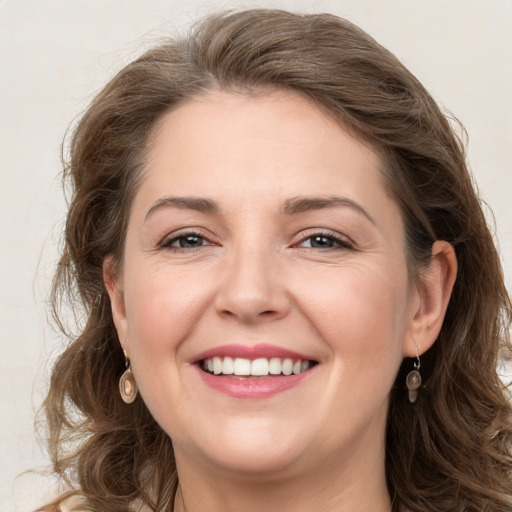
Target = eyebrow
(197,204)
(301,204)
(292,206)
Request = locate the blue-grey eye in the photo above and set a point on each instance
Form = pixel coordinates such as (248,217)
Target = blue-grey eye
(325,241)
(189,241)
(321,242)
(185,241)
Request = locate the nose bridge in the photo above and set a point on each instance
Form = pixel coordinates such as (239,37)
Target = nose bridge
(253,287)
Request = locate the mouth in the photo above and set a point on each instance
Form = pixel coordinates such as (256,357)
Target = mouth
(244,368)
(253,372)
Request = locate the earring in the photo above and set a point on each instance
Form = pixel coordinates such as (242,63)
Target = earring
(413,381)
(127,385)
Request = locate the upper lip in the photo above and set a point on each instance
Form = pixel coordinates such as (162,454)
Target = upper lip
(250,352)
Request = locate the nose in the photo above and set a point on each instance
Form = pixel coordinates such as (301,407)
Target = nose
(252,289)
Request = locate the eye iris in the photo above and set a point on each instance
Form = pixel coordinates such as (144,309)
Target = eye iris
(321,242)
(190,241)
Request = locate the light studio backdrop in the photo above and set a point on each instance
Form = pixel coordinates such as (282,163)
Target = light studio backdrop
(56,54)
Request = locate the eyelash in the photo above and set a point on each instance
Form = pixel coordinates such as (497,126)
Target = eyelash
(167,243)
(338,242)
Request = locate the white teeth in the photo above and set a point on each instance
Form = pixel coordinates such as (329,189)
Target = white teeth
(228,367)
(257,367)
(287,366)
(275,366)
(242,366)
(217,365)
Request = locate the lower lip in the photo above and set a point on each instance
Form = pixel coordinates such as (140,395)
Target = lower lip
(257,388)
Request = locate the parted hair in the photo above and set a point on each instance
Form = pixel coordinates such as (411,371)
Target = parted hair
(451,450)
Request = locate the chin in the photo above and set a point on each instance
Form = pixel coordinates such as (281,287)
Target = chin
(265,464)
(253,446)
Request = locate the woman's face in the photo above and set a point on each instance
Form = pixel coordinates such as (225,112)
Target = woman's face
(262,240)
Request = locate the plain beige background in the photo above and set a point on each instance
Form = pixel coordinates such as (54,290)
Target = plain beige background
(55,54)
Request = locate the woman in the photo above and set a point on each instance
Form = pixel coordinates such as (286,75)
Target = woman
(292,299)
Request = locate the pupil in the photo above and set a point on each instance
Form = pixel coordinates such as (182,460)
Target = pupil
(321,242)
(190,241)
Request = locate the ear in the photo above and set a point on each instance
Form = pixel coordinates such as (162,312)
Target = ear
(432,294)
(116,293)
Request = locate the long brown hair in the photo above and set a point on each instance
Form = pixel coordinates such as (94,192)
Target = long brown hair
(451,451)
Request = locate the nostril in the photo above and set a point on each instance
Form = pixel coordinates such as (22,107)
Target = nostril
(252,300)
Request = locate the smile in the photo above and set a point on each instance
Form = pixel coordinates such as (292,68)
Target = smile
(253,372)
(257,367)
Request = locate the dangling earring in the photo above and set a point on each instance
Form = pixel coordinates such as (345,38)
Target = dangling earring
(127,385)
(413,380)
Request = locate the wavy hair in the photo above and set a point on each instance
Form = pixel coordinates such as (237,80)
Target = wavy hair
(451,451)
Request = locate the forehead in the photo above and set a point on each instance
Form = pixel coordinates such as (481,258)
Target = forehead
(277,137)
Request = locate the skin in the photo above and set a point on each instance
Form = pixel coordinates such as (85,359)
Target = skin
(256,274)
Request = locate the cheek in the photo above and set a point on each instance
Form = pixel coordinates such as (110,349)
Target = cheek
(162,308)
(162,311)
(362,314)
